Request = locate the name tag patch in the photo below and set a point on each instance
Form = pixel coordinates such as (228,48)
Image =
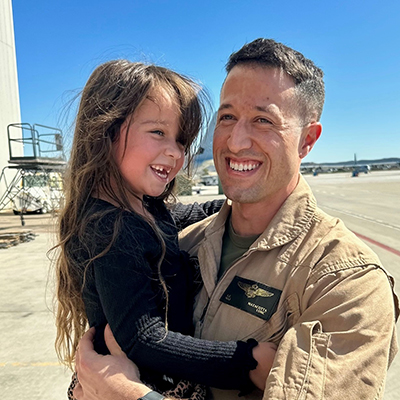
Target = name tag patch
(252,297)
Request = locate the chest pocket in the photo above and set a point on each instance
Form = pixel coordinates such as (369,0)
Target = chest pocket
(286,316)
(252,297)
(255,310)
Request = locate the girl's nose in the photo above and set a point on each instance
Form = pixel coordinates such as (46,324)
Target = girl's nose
(174,150)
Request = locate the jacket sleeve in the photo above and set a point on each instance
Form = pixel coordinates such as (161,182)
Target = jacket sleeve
(187,214)
(342,344)
(127,297)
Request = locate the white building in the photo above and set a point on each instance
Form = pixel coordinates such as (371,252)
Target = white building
(9,96)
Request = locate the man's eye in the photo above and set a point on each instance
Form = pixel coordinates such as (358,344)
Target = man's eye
(225,117)
(264,121)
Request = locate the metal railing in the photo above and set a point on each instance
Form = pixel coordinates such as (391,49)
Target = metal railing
(36,142)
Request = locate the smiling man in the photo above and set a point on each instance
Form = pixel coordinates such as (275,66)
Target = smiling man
(275,267)
(259,140)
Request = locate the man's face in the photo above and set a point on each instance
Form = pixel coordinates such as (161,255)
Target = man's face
(259,136)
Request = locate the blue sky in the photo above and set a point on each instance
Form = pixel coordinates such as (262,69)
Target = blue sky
(355,42)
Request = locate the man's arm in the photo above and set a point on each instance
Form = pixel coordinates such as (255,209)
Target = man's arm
(343,343)
(116,377)
(111,377)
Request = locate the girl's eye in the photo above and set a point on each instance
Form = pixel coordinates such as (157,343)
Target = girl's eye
(181,144)
(157,132)
(181,141)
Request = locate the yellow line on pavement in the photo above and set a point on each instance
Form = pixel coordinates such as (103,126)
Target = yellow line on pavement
(32,364)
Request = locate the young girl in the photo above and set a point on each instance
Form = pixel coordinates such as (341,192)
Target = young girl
(119,260)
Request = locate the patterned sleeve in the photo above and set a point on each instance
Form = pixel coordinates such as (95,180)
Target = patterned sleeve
(187,214)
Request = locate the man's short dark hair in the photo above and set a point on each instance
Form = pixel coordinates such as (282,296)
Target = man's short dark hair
(308,78)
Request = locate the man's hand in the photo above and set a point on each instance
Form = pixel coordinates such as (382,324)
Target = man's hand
(111,377)
(264,354)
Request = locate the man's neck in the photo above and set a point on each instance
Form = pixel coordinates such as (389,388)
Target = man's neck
(253,218)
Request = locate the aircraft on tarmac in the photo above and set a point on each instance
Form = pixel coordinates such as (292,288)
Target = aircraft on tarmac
(357,168)
(364,166)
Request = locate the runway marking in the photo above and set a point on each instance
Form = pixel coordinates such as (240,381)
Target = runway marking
(383,246)
(364,217)
(32,364)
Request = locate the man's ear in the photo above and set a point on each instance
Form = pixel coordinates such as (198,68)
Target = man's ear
(309,137)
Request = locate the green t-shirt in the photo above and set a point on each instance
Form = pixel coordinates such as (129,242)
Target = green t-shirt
(233,247)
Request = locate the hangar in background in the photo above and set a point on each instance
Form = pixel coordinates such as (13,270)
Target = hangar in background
(9,95)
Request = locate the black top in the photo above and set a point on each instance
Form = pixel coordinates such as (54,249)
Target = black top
(122,288)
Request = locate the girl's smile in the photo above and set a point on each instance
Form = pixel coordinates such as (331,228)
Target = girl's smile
(161,171)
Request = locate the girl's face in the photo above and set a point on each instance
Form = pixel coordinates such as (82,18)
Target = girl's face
(147,152)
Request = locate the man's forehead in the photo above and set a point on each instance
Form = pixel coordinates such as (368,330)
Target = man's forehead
(256,87)
(263,74)
(261,106)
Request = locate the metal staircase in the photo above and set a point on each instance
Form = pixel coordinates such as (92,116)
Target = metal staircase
(35,171)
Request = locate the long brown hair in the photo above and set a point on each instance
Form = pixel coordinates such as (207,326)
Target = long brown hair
(112,94)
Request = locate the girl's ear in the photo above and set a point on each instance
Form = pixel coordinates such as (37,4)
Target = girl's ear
(310,135)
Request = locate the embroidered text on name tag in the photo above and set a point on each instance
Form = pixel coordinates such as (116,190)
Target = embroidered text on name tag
(252,297)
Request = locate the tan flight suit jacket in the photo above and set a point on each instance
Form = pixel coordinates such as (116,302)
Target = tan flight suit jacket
(312,287)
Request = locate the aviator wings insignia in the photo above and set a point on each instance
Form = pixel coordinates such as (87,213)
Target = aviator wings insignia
(252,291)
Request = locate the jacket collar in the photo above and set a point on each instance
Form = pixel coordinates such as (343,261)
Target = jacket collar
(293,218)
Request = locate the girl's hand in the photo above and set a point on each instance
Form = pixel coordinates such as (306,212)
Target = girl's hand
(264,354)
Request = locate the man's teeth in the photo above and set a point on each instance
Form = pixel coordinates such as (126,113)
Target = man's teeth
(243,167)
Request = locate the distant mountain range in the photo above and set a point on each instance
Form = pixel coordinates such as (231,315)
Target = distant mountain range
(352,162)
(207,142)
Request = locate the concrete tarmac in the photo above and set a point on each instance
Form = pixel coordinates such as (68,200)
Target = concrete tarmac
(369,205)
(29,369)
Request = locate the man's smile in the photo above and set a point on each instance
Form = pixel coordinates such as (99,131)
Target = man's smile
(243,166)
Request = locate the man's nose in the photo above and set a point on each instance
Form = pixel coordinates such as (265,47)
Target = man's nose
(239,137)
